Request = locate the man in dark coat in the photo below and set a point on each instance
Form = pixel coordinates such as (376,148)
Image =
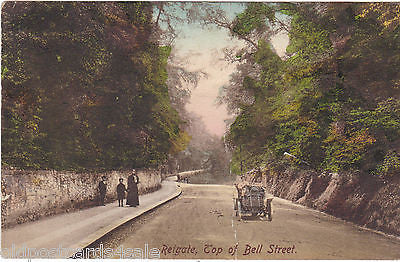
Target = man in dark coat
(102,191)
(133,196)
(121,193)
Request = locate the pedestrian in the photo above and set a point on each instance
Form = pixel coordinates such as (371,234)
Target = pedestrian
(133,195)
(102,191)
(121,192)
(268,208)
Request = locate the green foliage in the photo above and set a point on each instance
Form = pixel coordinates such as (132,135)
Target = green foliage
(309,46)
(270,63)
(386,118)
(346,151)
(253,18)
(334,103)
(390,166)
(83,87)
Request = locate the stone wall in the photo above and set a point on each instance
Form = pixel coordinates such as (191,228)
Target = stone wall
(364,200)
(29,195)
(187,174)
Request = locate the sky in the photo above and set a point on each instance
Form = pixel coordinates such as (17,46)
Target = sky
(202,48)
(204,53)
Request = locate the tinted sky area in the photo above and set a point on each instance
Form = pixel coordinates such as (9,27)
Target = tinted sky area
(202,48)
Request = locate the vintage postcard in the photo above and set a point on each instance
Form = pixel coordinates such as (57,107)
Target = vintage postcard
(200,130)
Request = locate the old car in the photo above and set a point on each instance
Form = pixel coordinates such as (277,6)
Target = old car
(251,201)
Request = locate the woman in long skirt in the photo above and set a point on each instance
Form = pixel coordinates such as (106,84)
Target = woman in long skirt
(132,199)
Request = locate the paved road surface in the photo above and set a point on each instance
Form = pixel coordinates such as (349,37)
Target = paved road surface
(203,216)
(61,234)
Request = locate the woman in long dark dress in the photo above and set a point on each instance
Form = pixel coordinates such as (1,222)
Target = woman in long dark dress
(132,199)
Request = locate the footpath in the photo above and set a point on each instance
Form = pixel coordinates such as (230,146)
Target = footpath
(62,235)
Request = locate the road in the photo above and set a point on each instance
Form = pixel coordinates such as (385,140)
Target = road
(68,232)
(200,225)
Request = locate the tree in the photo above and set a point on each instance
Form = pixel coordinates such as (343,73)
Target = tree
(326,102)
(85,87)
